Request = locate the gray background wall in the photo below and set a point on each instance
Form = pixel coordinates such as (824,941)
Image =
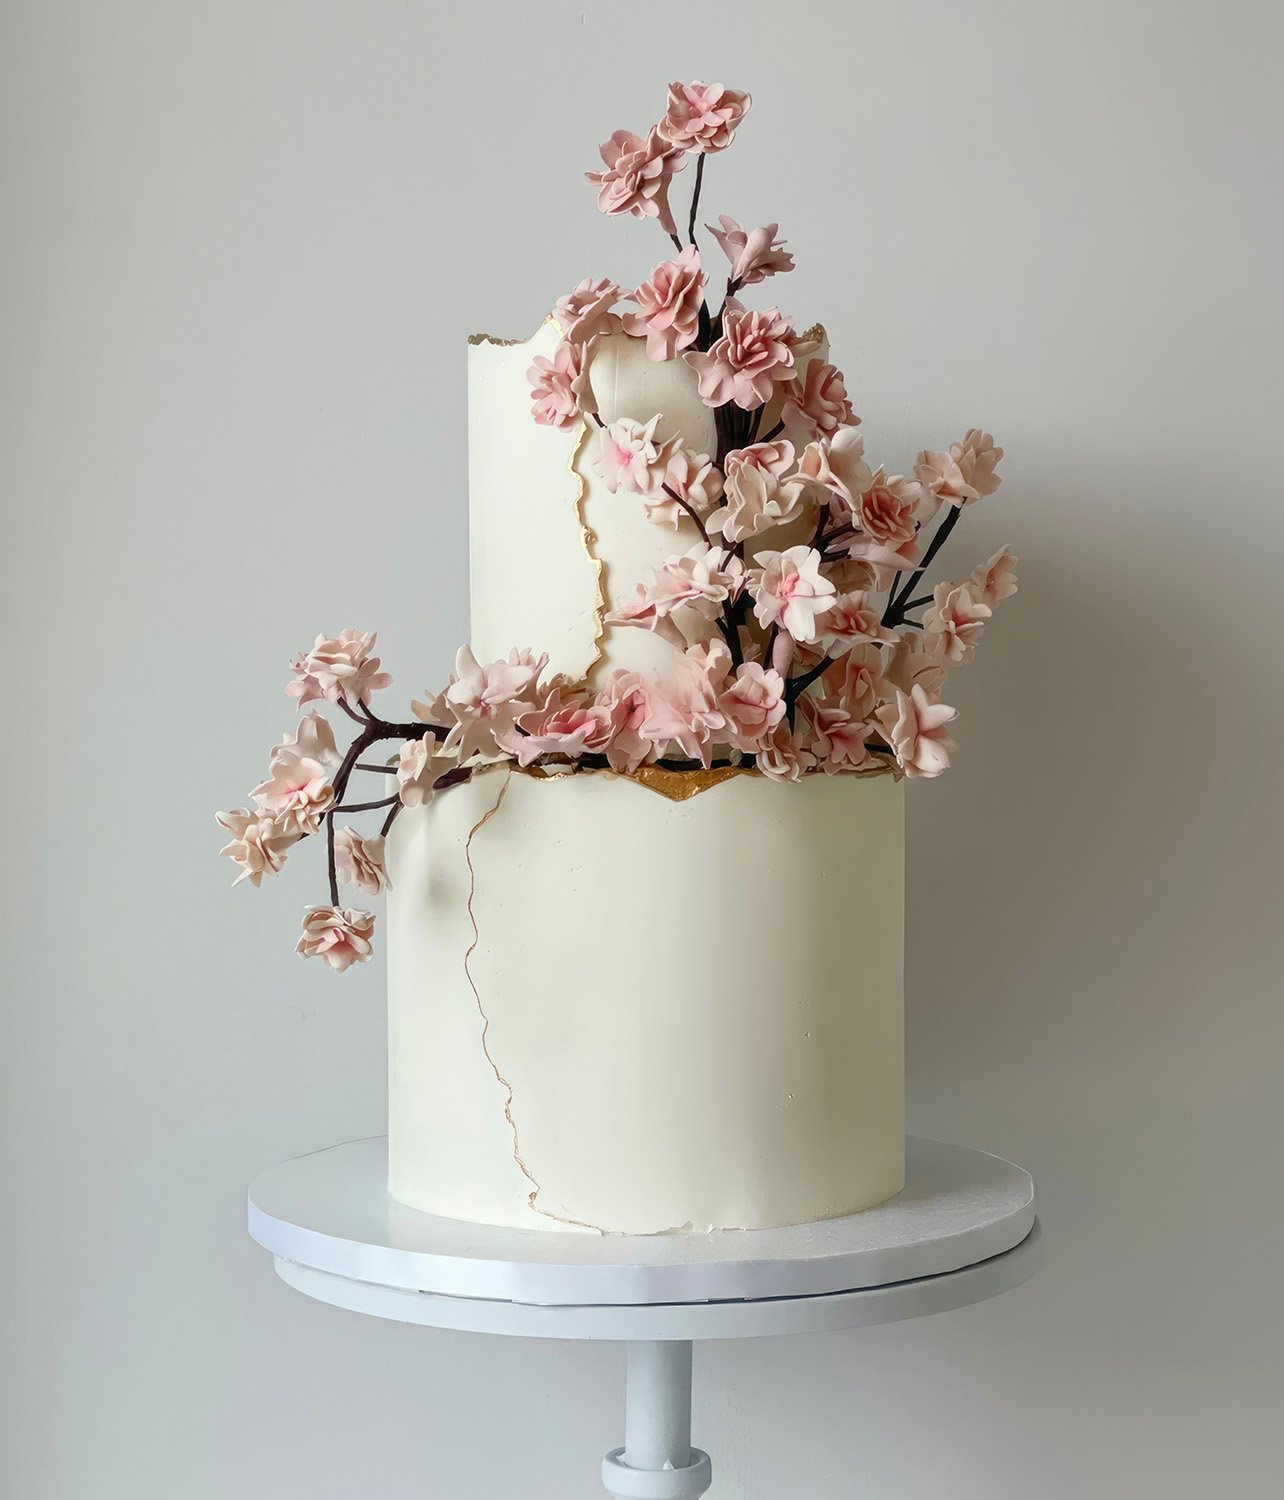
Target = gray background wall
(243,245)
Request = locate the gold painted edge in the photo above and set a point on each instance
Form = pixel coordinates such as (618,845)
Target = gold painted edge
(474,339)
(681,786)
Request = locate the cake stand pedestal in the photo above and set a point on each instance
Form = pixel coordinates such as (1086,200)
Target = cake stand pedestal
(962,1230)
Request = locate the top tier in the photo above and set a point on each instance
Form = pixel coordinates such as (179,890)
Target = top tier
(552,549)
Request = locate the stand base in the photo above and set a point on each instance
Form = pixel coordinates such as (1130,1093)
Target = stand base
(657,1461)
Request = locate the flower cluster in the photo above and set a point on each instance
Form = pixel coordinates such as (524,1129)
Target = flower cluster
(801,641)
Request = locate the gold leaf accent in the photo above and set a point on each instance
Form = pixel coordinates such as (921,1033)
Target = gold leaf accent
(678,786)
(489,338)
(587,538)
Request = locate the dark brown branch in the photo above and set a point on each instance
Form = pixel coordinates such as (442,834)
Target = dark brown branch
(351,807)
(690,510)
(895,611)
(695,198)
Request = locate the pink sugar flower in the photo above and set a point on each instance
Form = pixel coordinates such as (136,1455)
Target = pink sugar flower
(637,175)
(341,936)
(702,117)
(775,458)
(851,621)
(753,704)
(754,353)
(485,700)
(297,790)
(754,501)
(995,580)
(789,589)
(835,466)
(585,313)
(754,254)
(702,579)
(856,681)
(420,763)
(887,510)
(818,401)
(339,666)
(914,727)
(630,458)
(626,703)
(646,611)
(910,666)
(669,304)
(953,621)
(560,391)
(964,474)
(258,842)
(684,707)
(563,724)
(781,755)
(837,739)
(312,738)
(694,478)
(359,861)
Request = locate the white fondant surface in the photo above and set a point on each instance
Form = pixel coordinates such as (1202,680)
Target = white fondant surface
(692,1010)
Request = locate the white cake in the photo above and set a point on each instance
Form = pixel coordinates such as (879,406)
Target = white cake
(579,1035)
(644,849)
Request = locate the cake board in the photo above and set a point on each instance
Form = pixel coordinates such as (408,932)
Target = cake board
(962,1230)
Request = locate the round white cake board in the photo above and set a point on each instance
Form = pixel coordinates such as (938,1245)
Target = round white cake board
(963,1229)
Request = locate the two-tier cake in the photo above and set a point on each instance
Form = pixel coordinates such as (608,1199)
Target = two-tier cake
(644,851)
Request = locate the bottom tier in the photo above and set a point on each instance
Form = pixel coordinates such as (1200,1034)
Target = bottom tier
(613,1011)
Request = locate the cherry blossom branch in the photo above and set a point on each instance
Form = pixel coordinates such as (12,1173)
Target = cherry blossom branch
(351,807)
(895,611)
(695,198)
(368,765)
(690,510)
(797,686)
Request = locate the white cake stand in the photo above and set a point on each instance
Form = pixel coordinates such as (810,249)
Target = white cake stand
(962,1230)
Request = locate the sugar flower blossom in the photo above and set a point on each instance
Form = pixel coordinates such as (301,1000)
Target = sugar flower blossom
(836,467)
(702,579)
(781,756)
(359,861)
(419,765)
(585,313)
(851,621)
(669,304)
(684,707)
(995,580)
(339,666)
(789,590)
(563,724)
(964,474)
(752,705)
(485,700)
(297,790)
(817,402)
(702,117)
(636,179)
(914,727)
(692,477)
(341,936)
(312,738)
(953,622)
(754,501)
(629,457)
(754,254)
(909,665)
(838,741)
(258,843)
(775,458)
(754,353)
(560,391)
(626,702)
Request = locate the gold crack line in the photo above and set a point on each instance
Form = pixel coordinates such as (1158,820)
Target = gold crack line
(468,974)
